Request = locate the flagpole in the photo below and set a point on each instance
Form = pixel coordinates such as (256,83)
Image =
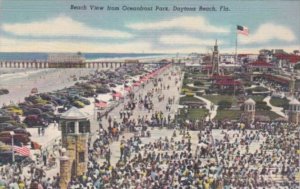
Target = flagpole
(236,43)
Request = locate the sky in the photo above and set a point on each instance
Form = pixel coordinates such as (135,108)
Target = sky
(53,26)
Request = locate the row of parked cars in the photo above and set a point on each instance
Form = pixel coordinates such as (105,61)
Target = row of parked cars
(38,110)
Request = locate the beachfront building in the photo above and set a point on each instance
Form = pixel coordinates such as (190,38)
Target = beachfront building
(66,60)
(75,129)
(294,111)
(227,58)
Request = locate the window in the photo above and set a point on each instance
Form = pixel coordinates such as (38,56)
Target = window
(84,126)
(81,157)
(70,127)
(62,126)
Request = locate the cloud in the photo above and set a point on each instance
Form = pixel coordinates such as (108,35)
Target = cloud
(17,45)
(61,26)
(268,32)
(189,23)
(186,40)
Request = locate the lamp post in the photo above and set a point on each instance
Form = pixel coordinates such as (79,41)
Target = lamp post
(12,133)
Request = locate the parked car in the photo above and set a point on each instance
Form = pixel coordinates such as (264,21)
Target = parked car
(33,111)
(34,120)
(78,104)
(14,109)
(19,138)
(6,157)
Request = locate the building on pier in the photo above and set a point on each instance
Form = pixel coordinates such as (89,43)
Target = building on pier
(66,60)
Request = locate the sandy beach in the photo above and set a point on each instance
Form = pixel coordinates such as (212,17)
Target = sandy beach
(20,83)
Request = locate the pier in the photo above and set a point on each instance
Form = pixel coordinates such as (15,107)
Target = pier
(45,64)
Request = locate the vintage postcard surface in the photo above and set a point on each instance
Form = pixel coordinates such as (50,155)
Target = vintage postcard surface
(141,94)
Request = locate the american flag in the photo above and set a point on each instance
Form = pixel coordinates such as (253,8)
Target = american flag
(242,30)
(24,151)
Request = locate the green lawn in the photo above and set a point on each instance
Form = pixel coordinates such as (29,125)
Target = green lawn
(258,89)
(270,114)
(217,98)
(194,114)
(256,97)
(189,98)
(228,114)
(280,102)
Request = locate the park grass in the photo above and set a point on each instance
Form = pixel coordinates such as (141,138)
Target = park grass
(270,114)
(236,114)
(279,102)
(257,98)
(194,114)
(217,98)
(228,114)
(189,99)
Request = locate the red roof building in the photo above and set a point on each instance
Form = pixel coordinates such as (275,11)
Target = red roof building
(291,58)
(260,64)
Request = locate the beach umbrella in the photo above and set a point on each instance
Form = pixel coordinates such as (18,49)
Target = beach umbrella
(117,94)
(127,89)
(136,84)
(101,104)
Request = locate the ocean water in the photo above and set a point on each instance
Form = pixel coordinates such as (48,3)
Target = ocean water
(4,56)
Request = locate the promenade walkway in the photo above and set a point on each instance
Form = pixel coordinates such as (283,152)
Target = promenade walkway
(275,109)
(212,108)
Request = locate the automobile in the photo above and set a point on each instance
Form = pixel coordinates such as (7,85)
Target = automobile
(7,127)
(47,108)
(3,91)
(33,111)
(19,138)
(34,120)
(59,100)
(21,131)
(78,104)
(16,129)
(6,157)
(83,100)
(5,118)
(14,109)
(48,117)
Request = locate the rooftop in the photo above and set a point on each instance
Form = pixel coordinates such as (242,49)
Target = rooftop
(249,101)
(294,101)
(74,113)
(260,63)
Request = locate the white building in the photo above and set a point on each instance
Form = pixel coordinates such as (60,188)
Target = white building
(227,58)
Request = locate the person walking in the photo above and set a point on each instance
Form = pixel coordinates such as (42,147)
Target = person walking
(45,155)
(39,131)
(108,155)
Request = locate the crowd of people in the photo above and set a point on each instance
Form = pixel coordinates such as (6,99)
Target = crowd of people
(225,155)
